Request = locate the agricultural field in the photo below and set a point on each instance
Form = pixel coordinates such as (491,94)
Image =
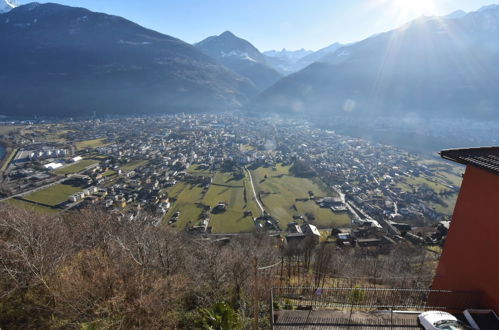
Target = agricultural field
(447,210)
(133,165)
(196,170)
(76,167)
(225,188)
(90,144)
(6,129)
(109,173)
(29,206)
(188,197)
(445,172)
(53,195)
(247,147)
(57,136)
(279,190)
(410,183)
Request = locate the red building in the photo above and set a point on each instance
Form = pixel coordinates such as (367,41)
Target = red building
(470,258)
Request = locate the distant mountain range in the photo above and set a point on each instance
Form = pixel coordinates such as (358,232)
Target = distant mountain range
(432,66)
(284,61)
(287,62)
(57,60)
(241,57)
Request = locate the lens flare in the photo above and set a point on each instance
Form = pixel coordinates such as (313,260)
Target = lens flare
(403,11)
(415,7)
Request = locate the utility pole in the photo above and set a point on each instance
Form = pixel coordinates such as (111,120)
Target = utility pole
(256,296)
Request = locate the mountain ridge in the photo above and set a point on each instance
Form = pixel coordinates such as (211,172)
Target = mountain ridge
(72,61)
(240,56)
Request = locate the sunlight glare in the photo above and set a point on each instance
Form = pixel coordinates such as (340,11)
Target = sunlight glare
(415,7)
(405,10)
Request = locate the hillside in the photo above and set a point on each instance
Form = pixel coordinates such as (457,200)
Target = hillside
(64,61)
(431,66)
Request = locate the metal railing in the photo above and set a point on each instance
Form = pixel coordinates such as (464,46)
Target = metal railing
(342,303)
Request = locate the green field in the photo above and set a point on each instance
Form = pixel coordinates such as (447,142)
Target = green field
(90,144)
(283,189)
(133,165)
(447,210)
(247,147)
(231,191)
(419,181)
(54,195)
(76,167)
(187,196)
(109,173)
(30,206)
(280,190)
(224,189)
(196,170)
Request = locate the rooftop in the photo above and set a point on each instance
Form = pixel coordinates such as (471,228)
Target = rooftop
(486,158)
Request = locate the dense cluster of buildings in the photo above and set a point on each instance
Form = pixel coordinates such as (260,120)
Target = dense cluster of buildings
(139,158)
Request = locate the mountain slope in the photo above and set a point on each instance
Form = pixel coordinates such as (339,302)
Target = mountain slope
(317,56)
(431,66)
(241,57)
(60,60)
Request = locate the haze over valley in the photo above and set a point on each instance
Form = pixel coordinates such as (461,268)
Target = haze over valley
(175,174)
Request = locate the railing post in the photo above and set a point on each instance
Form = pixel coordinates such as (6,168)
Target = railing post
(256,307)
(272,308)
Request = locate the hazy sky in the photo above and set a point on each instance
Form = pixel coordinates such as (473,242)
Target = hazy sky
(275,24)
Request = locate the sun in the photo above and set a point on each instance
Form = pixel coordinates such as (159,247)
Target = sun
(402,11)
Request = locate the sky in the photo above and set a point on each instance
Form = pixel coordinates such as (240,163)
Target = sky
(275,24)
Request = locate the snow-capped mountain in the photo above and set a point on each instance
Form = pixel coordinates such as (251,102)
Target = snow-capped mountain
(291,55)
(6,6)
(241,57)
(288,62)
(284,60)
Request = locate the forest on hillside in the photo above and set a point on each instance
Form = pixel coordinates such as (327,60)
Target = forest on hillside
(92,270)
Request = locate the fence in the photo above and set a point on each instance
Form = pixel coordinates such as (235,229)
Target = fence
(361,306)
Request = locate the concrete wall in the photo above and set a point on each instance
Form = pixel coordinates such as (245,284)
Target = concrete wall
(470,258)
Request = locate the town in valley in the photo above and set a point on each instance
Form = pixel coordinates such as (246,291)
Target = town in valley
(225,174)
